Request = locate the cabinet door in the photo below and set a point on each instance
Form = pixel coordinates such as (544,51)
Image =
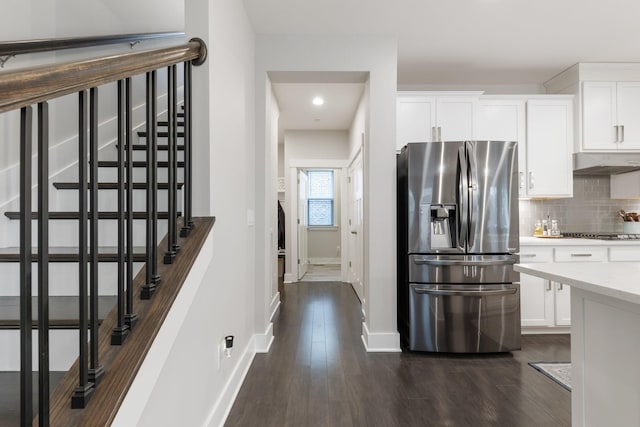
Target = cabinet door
(536,301)
(563,305)
(536,295)
(504,120)
(549,148)
(628,108)
(454,117)
(415,119)
(599,116)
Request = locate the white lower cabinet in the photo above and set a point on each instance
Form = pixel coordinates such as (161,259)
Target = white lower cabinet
(542,303)
(562,304)
(546,305)
(535,299)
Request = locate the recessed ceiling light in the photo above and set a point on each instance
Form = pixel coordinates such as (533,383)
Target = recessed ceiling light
(318,101)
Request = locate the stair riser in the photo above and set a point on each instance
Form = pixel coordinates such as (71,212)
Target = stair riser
(63,278)
(64,233)
(63,349)
(67,200)
(139,175)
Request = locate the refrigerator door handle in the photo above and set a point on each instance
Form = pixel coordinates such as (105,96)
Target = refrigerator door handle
(473,186)
(463,195)
(444,292)
(441,262)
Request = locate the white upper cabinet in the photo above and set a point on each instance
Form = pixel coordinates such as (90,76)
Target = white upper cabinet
(504,120)
(549,148)
(543,127)
(608,104)
(415,120)
(425,117)
(610,112)
(455,117)
(628,108)
(599,116)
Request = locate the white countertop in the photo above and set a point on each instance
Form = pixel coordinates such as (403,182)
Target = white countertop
(541,241)
(620,280)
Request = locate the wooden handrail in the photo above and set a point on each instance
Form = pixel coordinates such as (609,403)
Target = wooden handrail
(18,47)
(37,84)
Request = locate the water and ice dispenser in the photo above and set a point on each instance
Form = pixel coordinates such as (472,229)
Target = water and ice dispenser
(441,220)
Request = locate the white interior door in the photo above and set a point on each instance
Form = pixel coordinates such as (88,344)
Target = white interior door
(303,261)
(356,242)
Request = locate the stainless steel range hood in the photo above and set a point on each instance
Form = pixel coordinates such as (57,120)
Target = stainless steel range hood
(605,163)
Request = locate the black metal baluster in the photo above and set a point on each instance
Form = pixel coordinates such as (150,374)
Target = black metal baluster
(121,330)
(152,278)
(170,255)
(95,370)
(130,317)
(188,220)
(26,320)
(85,388)
(43,264)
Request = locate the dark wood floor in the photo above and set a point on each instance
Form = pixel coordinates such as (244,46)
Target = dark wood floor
(317,373)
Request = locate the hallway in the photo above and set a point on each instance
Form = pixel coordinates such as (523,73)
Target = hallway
(318,373)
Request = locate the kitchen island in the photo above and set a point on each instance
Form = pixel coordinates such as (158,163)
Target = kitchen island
(605,339)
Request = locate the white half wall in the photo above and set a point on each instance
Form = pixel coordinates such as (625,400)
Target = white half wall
(376,55)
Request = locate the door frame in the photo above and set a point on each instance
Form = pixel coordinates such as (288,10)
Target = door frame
(292,189)
(358,156)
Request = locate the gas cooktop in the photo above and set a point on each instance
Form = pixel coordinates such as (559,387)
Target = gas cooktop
(602,236)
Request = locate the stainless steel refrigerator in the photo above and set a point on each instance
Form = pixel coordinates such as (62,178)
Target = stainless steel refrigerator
(457,244)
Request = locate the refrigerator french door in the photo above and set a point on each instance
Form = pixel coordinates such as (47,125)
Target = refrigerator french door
(457,244)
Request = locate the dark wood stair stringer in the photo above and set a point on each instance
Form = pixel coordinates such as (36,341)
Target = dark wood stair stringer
(121,363)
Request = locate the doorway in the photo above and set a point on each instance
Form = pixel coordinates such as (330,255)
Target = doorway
(321,137)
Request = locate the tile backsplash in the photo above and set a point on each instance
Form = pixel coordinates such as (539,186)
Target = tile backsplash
(590,209)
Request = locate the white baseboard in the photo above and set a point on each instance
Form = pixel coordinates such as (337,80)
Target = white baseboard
(263,341)
(324,261)
(289,278)
(545,330)
(385,342)
(275,305)
(223,405)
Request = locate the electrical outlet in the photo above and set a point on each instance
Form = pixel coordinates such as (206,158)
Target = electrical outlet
(221,347)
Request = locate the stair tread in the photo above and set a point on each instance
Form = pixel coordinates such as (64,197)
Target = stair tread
(112,185)
(161,147)
(63,310)
(166,123)
(76,215)
(161,134)
(70,254)
(136,164)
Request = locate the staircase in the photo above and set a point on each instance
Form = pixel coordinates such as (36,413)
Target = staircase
(108,265)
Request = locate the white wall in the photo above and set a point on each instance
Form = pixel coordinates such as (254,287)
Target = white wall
(359,125)
(376,55)
(191,389)
(32,19)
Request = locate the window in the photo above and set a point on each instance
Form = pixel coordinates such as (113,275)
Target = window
(320,197)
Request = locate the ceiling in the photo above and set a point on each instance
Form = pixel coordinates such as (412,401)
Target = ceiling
(297,112)
(454,43)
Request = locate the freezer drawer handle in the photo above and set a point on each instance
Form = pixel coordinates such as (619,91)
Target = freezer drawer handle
(581,254)
(442,292)
(423,261)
